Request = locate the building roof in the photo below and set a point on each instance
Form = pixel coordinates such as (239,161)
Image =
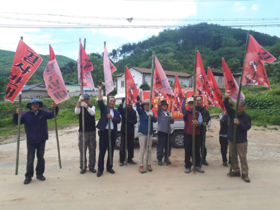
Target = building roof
(149,71)
(40,86)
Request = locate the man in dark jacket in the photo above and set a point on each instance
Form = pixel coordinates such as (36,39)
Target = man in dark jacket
(200,109)
(103,127)
(131,121)
(36,129)
(90,135)
(243,122)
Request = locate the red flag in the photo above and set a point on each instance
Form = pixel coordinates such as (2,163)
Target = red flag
(109,85)
(85,63)
(202,87)
(131,89)
(178,96)
(254,72)
(230,83)
(218,98)
(52,55)
(113,68)
(26,61)
(161,86)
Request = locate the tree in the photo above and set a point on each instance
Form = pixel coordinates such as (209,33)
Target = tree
(3,86)
(145,86)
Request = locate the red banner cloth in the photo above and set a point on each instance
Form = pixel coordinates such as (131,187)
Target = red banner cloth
(109,85)
(230,83)
(218,98)
(25,63)
(52,55)
(86,65)
(113,68)
(131,89)
(178,96)
(254,72)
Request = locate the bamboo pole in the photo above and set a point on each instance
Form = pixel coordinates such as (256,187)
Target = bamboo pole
(150,108)
(167,153)
(18,132)
(193,135)
(125,119)
(236,111)
(203,137)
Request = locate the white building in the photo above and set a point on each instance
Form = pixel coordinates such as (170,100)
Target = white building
(142,75)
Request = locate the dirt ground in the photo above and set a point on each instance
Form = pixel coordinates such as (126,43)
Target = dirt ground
(167,187)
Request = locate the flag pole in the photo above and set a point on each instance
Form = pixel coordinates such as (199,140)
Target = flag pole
(150,108)
(203,137)
(236,109)
(83,110)
(18,132)
(125,118)
(109,128)
(167,156)
(194,101)
(56,133)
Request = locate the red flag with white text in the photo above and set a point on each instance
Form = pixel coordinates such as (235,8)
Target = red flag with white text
(254,72)
(109,85)
(131,89)
(178,96)
(26,62)
(230,83)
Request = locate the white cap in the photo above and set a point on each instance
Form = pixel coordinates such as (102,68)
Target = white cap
(190,99)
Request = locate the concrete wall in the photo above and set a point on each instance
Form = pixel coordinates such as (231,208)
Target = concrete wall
(34,94)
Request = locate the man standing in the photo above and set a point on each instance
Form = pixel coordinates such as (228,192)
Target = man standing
(243,122)
(164,117)
(90,134)
(131,121)
(36,129)
(200,109)
(103,127)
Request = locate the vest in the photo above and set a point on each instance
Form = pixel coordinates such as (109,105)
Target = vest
(224,127)
(188,123)
(89,121)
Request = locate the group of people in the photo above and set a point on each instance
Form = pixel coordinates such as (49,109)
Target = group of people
(35,122)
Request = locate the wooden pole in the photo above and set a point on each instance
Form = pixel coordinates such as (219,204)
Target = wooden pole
(236,110)
(203,137)
(125,119)
(109,129)
(18,132)
(194,102)
(167,153)
(150,108)
(83,110)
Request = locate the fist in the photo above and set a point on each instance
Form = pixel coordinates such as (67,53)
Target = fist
(81,98)
(54,104)
(19,111)
(236,121)
(138,98)
(195,122)
(123,99)
(227,93)
(205,124)
(83,104)
(185,94)
(109,116)
(151,113)
(100,88)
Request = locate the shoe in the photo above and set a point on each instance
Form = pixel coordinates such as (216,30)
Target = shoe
(92,170)
(131,162)
(159,163)
(245,178)
(150,168)
(198,169)
(225,163)
(121,164)
(111,171)
(187,170)
(229,162)
(40,177)
(165,160)
(99,173)
(234,174)
(204,162)
(27,180)
(141,169)
(82,171)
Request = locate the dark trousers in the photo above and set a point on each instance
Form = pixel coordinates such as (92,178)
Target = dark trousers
(188,150)
(224,147)
(130,147)
(162,145)
(40,151)
(201,143)
(103,146)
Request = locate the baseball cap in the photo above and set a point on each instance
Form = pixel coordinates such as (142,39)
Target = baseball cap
(190,99)
(86,96)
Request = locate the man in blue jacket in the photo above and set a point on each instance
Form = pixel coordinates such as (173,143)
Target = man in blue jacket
(103,127)
(36,129)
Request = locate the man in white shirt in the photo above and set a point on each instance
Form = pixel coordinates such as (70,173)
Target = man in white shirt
(90,134)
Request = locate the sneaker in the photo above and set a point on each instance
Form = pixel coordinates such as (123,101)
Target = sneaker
(198,169)
(121,164)
(245,178)
(27,180)
(159,163)
(234,174)
(225,163)
(204,162)
(40,177)
(150,168)
(187,170)
(131,162)
(141,169)
(92,170)
(82,171)
(165,160)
